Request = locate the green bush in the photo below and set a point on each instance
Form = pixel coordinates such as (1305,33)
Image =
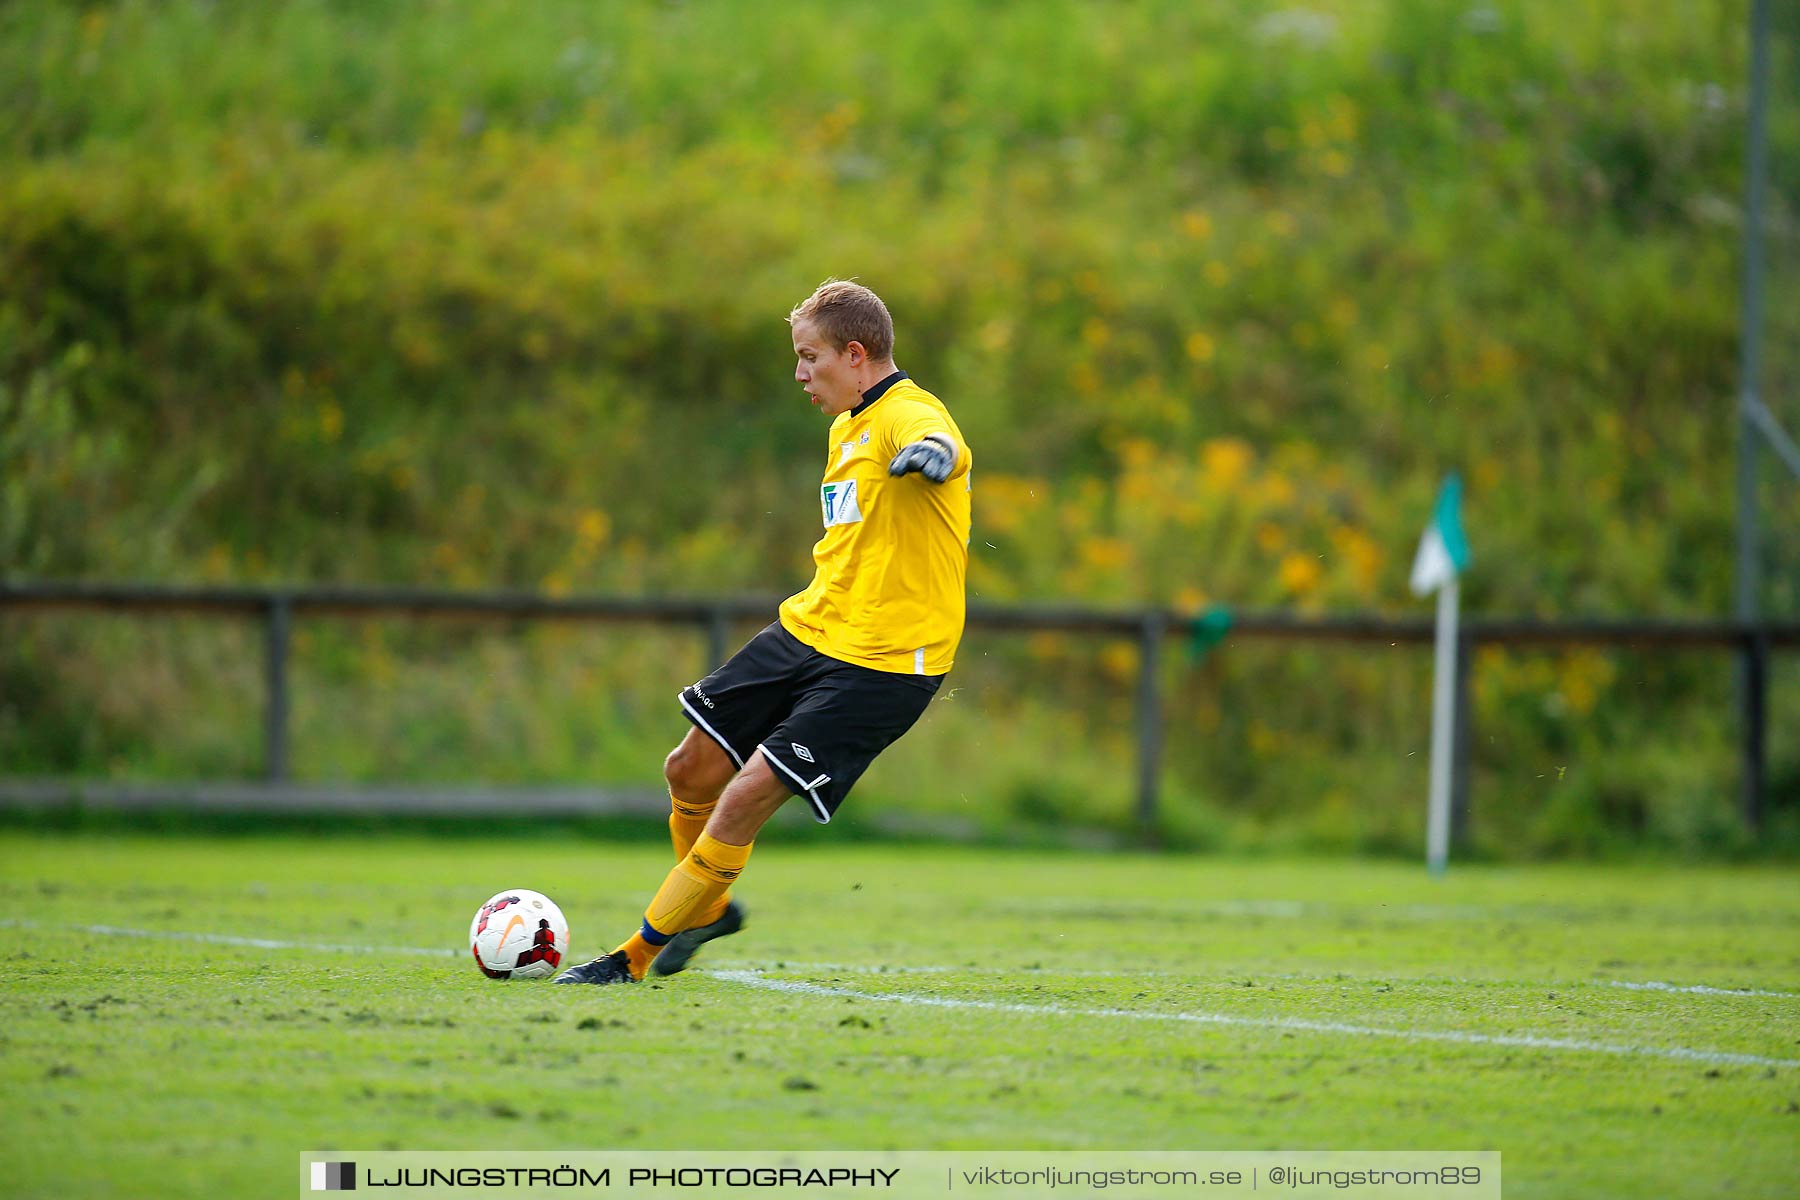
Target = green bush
(492,296)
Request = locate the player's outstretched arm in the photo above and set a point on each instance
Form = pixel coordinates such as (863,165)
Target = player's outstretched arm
(933,457)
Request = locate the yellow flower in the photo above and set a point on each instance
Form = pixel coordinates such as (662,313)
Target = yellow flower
(593,526)
(1225,461)
(1217,273)
(1197,224)
(1361,552)
(1137,453)
(1200,347)
(1583,674)
(1106,553)
(1012,491)
(1119,660)
(1276,491)
(1300,573)
(839,121)
(218,561)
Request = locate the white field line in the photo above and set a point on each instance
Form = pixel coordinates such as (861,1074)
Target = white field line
(1695,989)
(1318,910)
(225,939)
(788,964)
(221,939)
(755,979)
(1528,1041)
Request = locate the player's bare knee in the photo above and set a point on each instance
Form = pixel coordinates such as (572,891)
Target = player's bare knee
(683,774)
(694,775)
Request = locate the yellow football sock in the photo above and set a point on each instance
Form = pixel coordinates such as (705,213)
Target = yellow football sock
(687,822)
(692,888)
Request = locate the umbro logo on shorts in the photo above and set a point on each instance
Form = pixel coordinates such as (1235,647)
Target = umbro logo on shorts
(802,751)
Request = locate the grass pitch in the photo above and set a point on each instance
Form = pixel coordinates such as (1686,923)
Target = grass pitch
(182,1016)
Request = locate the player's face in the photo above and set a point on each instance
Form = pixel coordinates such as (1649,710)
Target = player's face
(827,373)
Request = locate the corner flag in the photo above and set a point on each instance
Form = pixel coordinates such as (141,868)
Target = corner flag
(1443,555)
(1443,550)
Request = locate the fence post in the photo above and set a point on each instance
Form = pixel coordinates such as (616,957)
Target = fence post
(1756,715)
(1149,706)
(275,699)
(718,628)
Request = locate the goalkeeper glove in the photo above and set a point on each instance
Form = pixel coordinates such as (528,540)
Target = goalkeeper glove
(933,457)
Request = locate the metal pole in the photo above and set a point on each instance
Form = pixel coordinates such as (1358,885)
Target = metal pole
(275,700)
(1149,706)
(1443,722)
(1756,719)
(1749,544)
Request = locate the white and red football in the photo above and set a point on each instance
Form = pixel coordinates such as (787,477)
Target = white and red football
(519,934)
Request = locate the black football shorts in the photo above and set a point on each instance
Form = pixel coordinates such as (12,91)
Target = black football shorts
(820,721)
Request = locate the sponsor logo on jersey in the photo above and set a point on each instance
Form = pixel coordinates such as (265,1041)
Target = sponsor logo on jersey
(802,751)
(846,449)
(839,503)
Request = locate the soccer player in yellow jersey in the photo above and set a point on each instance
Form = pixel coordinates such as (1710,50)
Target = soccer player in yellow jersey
(852,661)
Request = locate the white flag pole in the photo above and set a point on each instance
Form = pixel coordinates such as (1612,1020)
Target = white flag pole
(1443,726)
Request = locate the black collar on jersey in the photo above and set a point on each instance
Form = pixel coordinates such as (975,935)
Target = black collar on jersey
(878,391)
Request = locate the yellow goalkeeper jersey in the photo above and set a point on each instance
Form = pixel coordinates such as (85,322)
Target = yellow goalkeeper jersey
(888,589)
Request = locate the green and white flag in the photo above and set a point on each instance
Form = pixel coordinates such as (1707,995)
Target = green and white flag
(1444,550)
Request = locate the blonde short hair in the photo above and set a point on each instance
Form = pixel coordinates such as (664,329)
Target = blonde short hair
(846,312)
